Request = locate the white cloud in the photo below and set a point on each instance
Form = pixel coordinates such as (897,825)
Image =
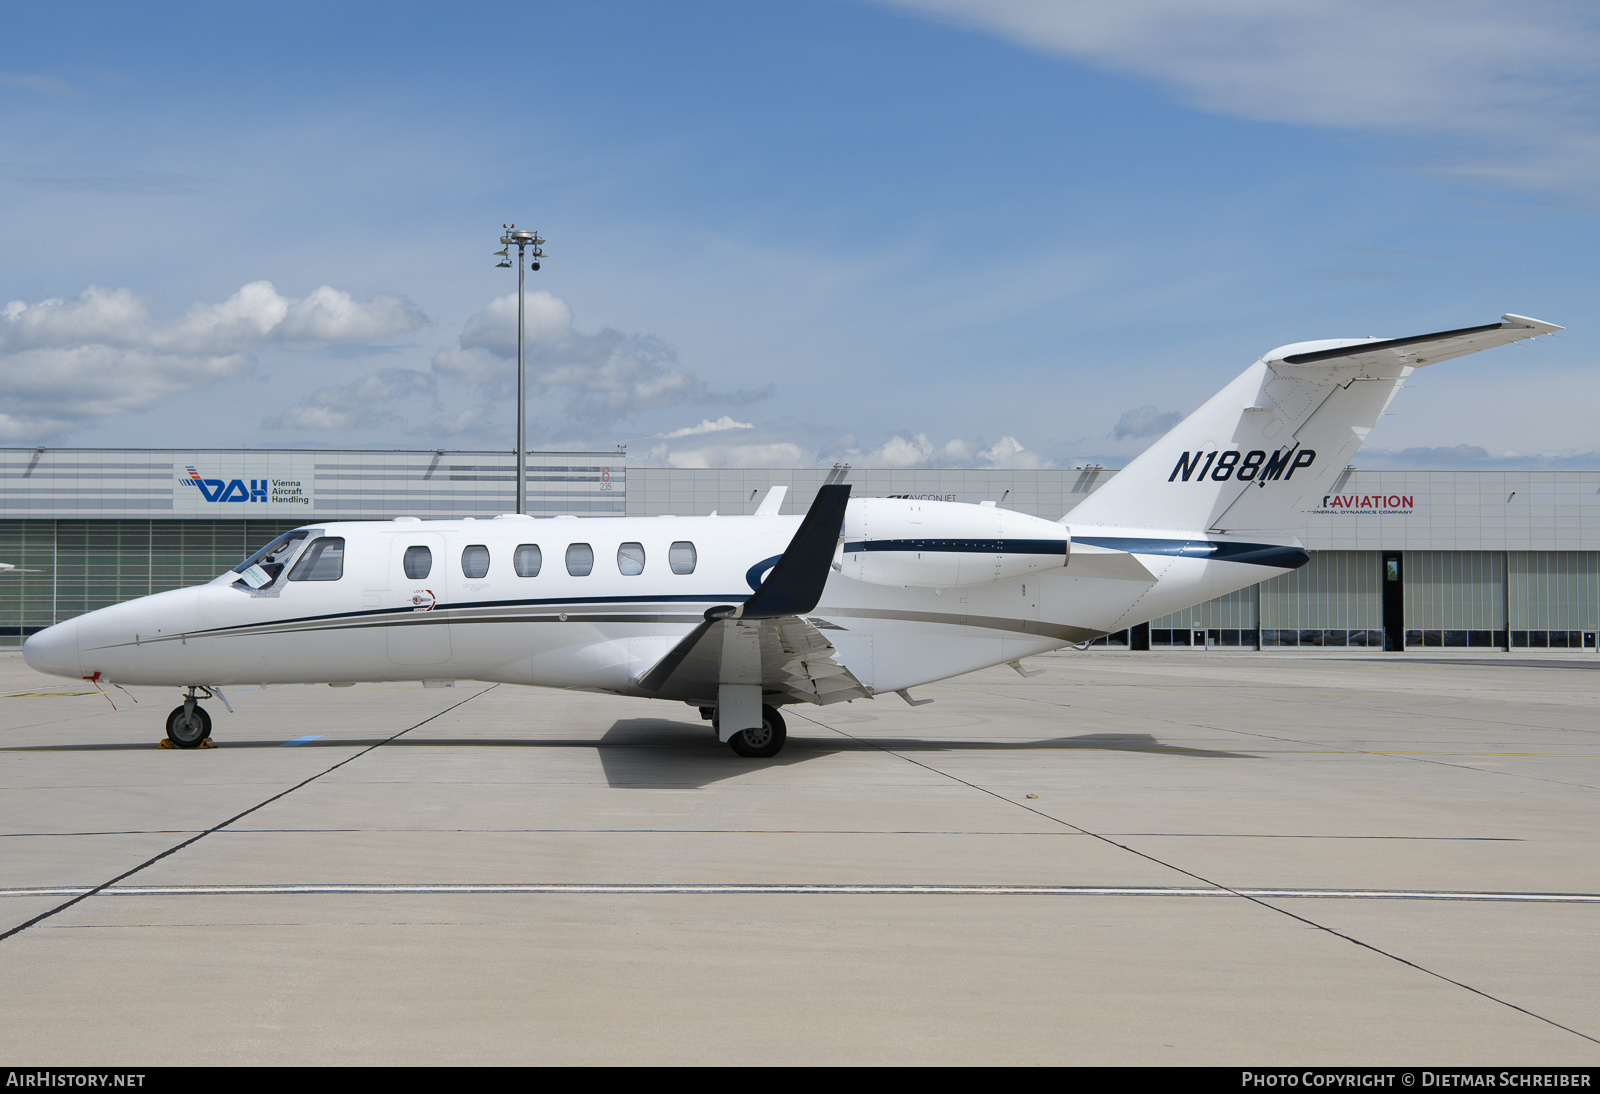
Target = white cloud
(706,426)
(64,361)
(1520,73)
(1008,452)
(330,315)
(1145,421)
(358,403)
(780,454)
(911,450)
(606,376)
(915,450)
(546,318)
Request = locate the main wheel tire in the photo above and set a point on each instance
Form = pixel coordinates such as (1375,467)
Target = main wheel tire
(764,742)
(187,730)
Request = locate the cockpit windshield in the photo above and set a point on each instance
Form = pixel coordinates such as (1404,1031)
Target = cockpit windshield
(263,567)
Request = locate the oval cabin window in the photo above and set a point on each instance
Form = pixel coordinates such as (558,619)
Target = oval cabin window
(681,557)
(630,559)
(418,563)
(580,559)
(475,561)
(527,560)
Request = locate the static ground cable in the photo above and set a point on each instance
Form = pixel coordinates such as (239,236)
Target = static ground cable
(219,827)
(1190,873)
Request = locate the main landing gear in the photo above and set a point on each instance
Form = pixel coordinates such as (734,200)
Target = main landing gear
(189,726)
(759,743)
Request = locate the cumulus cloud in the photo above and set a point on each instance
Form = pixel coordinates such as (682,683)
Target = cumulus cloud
(605,376)
(916,450)
(1519,72)
(709,445)
(778,454)
(66,361)
(1145,421)
(707,426)
(358,403)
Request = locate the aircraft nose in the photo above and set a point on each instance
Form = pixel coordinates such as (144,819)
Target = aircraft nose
(54,650)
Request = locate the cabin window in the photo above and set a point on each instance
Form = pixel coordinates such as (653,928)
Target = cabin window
(323,561)
(580,559)
(475,561)
(262,568)
(681,557)
(527,559)
(630,559)
(418,562)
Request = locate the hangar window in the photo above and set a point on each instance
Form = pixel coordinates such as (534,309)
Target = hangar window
(323,561)
(527,559)
(630,559)
(475,561)
(418,562)
(580,559)
(681,557)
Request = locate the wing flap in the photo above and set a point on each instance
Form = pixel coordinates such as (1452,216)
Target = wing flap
(797,662)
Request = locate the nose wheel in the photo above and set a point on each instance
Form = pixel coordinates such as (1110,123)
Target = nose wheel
(188,725)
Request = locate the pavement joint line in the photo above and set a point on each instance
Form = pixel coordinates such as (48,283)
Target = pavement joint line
(1242,894)
(774,832)
(801,889)
(240,816)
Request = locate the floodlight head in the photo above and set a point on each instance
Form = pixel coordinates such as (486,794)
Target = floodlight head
(503,264)
(534,266)
(504,252)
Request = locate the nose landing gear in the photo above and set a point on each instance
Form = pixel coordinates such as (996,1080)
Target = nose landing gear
(189,726)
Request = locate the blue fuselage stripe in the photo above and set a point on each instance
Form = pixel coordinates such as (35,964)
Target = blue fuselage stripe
(963,546)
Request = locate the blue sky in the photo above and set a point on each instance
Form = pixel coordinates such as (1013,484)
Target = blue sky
(894,233)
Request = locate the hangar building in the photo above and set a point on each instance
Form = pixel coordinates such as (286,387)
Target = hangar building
(1400,559)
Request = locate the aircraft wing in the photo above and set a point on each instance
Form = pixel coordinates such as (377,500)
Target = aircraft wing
(797,661)
(1427,349)
(767,633)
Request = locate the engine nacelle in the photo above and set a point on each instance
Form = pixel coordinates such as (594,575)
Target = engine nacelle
(946,544)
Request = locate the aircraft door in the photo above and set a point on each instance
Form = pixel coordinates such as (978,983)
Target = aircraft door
(419,633)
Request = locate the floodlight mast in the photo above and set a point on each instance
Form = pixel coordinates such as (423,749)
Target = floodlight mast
(523,239)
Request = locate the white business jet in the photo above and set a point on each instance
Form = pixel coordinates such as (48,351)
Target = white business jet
(741,615)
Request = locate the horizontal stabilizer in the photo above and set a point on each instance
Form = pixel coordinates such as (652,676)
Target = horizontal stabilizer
(1421,349)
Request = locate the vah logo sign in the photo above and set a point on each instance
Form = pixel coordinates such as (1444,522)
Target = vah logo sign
(268,483)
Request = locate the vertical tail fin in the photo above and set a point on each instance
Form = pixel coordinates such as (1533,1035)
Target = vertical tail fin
(1278,434)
